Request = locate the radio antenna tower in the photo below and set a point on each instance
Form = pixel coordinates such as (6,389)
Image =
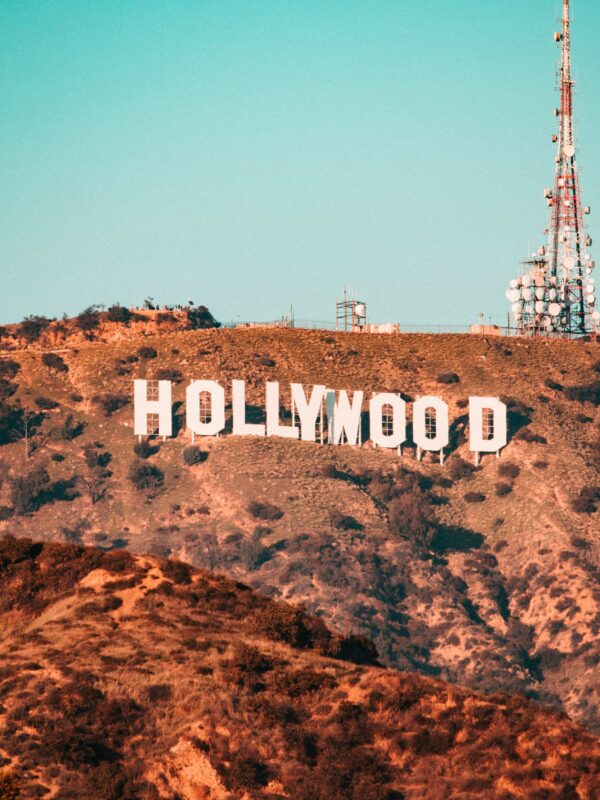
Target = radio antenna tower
(556,295)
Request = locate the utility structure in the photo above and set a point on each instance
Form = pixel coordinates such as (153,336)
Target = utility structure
(555,295)
(350,315)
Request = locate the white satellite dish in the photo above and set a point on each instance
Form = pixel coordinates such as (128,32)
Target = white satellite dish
(596,315)
(528,309)
(589,289)
(527,280)
(587,257)
(592,299)
(569,150)
(513,284)
(516,307)
(359,310)
(539,293)
(552,294)
(513,295)
(554,309)
(569,262)
(539,307)
(527,294)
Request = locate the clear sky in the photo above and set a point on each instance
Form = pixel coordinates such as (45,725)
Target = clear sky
(255,154)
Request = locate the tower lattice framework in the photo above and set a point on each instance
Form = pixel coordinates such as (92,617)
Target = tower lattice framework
(556,295)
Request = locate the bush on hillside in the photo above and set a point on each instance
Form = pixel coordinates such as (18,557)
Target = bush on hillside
(264,510)
(459,469)
(8,369)
(345,522)
(70,428)
(410,516)
(146,477)
(448,377)
(54,361)
(169,375)
(508,470)
(502,489)
(144,449)
(45,403)
(111,402)
(589,393)
(147,352)
(32,327)
(200,318)
(118,313)
(193,455)
(88,320)
(474,497)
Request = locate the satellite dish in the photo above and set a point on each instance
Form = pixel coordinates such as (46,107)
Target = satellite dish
(569,150)
(513,284)
(527,294)
(596,315)
(359,310)
(554,309)
(513,295)
(516,308)
(539,307)
(569,262)
(592,299)
(527,280)
(528,309)
(539,293)
(552,294)
(587,257)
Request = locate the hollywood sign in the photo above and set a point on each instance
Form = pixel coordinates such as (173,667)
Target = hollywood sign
(318,411)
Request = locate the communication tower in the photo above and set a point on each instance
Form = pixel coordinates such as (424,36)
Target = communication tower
(350,315)
(555,295)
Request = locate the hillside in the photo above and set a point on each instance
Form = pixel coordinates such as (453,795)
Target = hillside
(486,578)
(137,677)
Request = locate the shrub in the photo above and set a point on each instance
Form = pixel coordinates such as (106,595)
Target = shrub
(45,403)
(508,470)
(8,368)
(147,353)
(525,435)
(282,623)
(344,522)
(587,500)
(54,361)
(88,320)
(589,393)
(265,361)
(448,377)
(10,786)
(146,477)
(459,468)
(409,516)
(27,491)
(32,327)
(264,510)
(474,497)
(169,375)
(118,313)
(193,455)
(111,402)
(200,318)
(71,428)
(143,449)
(502,489)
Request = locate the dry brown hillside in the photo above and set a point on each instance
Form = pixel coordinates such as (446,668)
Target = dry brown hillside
(133,677)
(486,578)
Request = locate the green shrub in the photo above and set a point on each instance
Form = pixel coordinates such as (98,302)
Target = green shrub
(193,455)
(55,362)
(146,477)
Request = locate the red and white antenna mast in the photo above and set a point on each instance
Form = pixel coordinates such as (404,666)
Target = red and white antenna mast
(556,296)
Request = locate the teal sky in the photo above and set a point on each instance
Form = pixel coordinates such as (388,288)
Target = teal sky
(253,155)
